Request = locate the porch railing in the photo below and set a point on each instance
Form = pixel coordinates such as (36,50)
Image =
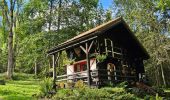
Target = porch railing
(97,76)
(74,77)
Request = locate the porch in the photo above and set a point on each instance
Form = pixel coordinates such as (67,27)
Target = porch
(99,77)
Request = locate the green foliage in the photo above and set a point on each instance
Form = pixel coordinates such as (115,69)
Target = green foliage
(22,76)
(63,93)
(101,58)
(138,92)
(159,90)
(158,97)
(152,33)
(163,5)
(46,86)
(80,84)
(2,82)
(123,84)
(93,94)
(61,84)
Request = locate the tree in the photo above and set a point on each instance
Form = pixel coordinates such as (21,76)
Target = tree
(143,18)
(8,16)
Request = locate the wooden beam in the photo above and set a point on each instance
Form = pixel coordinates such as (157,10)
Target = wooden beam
(88,66)
(75,44)
(90,46)
(55,61)
(54,67)
(84,49)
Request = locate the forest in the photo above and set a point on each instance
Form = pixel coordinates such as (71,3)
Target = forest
(29,28)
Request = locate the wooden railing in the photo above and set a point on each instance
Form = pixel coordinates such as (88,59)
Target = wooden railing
(74,77)
(96,76)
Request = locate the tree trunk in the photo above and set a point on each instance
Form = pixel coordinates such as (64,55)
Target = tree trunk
(59,15)
(35,69)
(50,17)
(10,44)
(163,76)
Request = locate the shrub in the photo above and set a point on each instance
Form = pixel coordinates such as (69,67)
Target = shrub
(160,91)
(114,90)
(123,84)
(22,76)
(61,84)
(96,93)
(158,97)
(138,92)
(46,86)
(79,84)
(63,93)
(70,85)
(125,96)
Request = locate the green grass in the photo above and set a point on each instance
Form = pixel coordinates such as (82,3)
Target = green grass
(20,89)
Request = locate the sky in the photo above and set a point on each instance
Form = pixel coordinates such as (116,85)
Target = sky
(106,3)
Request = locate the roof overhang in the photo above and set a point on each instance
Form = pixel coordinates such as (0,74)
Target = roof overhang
(94,33)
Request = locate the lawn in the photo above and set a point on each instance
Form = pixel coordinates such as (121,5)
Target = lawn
(19,90)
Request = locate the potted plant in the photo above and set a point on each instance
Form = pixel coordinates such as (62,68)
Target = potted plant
(101,58)
(101,61)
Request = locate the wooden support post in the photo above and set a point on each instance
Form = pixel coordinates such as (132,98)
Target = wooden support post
(86,51)
(88,66)
(55,62)
(54,69)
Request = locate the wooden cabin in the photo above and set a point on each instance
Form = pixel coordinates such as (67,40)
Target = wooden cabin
(108,53)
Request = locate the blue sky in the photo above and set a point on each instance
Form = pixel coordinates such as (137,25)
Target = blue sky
(106,3)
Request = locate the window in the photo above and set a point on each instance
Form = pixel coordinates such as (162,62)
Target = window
(82,66)
(77,68)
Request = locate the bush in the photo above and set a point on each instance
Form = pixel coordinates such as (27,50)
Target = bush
(138,92)
(79,84)
(70,84)
(93,94)
(160,91)
(22,76)
(61,85)
(125,96)
(114,90)
(123,84)
(46,86)
(63,93)
(82,92)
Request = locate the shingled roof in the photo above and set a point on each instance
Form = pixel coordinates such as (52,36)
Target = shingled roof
(92,33)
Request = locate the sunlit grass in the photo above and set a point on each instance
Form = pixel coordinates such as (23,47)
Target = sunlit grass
(19,90)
